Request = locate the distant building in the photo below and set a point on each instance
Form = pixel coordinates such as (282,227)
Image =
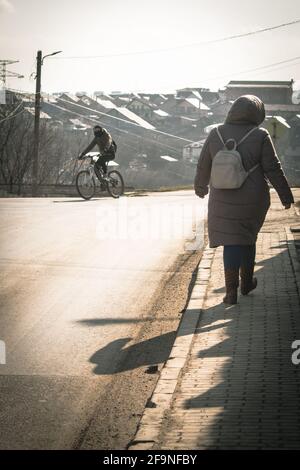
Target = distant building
(126,120)
(191,107)
(207,96)
(191,152)
(156,99)
(270,92)
(142,107)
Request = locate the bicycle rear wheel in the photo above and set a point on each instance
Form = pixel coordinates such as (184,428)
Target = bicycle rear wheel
(85,184)
(115,185)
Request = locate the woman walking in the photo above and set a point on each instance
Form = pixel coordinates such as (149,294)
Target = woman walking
(235,216)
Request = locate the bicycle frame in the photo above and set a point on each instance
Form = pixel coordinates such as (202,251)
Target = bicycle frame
(90,168)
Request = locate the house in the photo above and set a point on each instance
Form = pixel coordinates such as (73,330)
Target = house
(270,92)
(124,119)
(71,103)
(188,93)
(8,97)
(191,152)
(31,110)
(192,107)
(120,101)
(285,110)
(78,125)
(142,107)
(207,96)
(156,99)
(97,107)
(220,110)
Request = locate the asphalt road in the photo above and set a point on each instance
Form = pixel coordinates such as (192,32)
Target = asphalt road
(78,284)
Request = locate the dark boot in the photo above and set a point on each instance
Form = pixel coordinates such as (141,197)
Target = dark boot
(231,284)
(248,282)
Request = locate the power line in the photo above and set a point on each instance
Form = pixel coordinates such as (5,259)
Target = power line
(184,46)
(12,117)
(256,69)
(116,128)
(113,117)
(12,114)
(4,73)
(124,120)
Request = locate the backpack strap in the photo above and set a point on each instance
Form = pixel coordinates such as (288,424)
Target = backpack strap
(247,135)
(219,134)
(253,168)
(242,140)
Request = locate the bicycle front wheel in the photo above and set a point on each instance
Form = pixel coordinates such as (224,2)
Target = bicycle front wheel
(85,184)
(115,184)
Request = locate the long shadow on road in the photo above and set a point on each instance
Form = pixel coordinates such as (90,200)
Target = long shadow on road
(78,200)
(146,353)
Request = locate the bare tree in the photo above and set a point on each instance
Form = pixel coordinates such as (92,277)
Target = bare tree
(15,147)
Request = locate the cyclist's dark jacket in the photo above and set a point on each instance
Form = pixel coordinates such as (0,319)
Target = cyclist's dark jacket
(104,143)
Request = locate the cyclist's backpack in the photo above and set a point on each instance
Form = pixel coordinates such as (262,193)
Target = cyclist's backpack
(227,171)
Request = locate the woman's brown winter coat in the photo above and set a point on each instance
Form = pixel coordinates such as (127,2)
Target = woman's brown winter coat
(235,216)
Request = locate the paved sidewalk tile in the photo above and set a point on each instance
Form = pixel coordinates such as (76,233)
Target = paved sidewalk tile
(240,388)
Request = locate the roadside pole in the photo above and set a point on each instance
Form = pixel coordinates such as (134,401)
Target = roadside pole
(37,110)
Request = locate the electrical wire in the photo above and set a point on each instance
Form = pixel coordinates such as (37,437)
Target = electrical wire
(12,117)
(233,74)
(161,144)
(12,114)
(124,120)
(256,69)
(114,117)
(184,46)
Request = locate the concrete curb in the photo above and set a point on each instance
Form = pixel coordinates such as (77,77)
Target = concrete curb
(151,422)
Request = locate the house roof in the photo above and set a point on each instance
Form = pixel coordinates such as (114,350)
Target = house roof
(70,97)
(125,112)
(188,118)
(283,107)
(207,129)
(168,158)
(49,98)
(197,104)
(197,144)
(280,119)
(43,115)
(161,113)
(106,104)
(78,123)
(259,84)
(143,100)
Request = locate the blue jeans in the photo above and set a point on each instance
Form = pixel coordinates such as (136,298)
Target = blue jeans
(235,256)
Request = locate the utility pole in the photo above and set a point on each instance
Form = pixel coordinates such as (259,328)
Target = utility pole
(37,110)
(4,74)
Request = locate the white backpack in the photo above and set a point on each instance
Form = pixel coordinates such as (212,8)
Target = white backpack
(227,171)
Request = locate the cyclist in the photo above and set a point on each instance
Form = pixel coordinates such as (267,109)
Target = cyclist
(107,148)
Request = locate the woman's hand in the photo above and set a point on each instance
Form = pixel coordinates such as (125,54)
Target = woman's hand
(200,193)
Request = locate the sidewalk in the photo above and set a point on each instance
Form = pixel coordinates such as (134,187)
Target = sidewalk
(230,382)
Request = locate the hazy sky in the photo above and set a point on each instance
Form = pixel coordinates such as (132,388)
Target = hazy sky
(98,27)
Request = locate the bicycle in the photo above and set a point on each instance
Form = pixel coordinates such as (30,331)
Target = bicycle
(86,184)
